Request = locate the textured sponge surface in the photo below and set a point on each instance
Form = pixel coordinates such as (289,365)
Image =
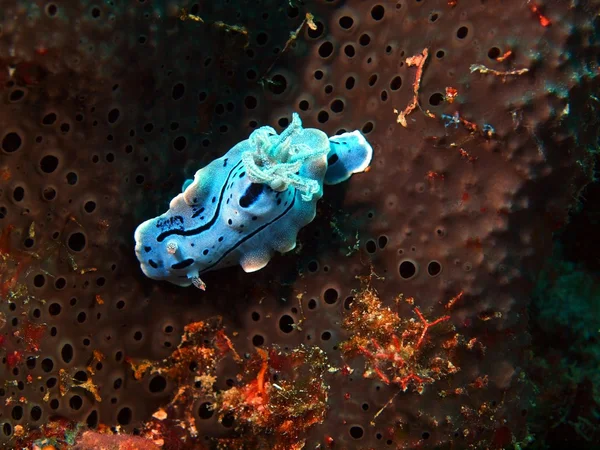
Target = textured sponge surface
(106,107)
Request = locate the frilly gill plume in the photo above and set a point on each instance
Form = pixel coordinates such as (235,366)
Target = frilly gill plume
(275,162)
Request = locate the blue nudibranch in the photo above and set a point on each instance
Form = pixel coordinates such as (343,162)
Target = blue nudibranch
(246,205)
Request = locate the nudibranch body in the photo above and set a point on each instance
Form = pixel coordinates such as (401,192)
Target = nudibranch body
(246,205)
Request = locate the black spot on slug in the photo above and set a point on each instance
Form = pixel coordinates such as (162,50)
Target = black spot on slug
(183,264)
(251,195)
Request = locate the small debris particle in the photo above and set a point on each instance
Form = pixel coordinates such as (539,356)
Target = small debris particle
(544,21)
(484,70)
(185,16)
(310,21)
(13,358)
(5,174)
(454,299)
(505,56)
(160,414)
(451,94)
(466,155)
(480,382)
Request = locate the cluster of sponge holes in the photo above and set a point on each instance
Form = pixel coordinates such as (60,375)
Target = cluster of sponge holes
(371,246)
(48,165)
(205,411)
(409,269)
(75,402)
(357,432)
(18,414)
(287,322)
(257,339)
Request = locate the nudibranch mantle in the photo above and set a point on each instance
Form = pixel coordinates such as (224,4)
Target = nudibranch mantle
(244,206)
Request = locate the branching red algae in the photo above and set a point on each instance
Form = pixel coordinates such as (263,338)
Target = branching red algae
(412,353)
(397,350)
